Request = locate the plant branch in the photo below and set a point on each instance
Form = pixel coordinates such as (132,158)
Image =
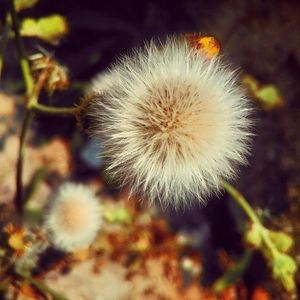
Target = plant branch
(54,110)
(31,98)
(245,206)
(41,286)
(33,90)
(241,201)
(28,80)
(234,273)
(4,40)
(37,177)
(19,183)
(25,68)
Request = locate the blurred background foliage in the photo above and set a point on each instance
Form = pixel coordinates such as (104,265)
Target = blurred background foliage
(260,37)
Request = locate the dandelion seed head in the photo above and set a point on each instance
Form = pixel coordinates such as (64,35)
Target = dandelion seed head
(173,122)
(74,217)
(71,217)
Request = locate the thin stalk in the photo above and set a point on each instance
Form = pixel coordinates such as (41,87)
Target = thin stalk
(41,286)
(20,164)
(245,206)
(25,68)
(268,242)
(32,105)
(4,40)
(242,202)
(54,110)
(31,98)
(37,177)
(234,273)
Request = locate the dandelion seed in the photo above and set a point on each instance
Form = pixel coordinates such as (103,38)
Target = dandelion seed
(74,217)
(173,122)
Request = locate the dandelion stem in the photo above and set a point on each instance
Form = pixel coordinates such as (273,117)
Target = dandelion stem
(246,207)
(20,163)
(32,93)
(31,98)
(41,286)
(30,111)
(4,39)
(242,202)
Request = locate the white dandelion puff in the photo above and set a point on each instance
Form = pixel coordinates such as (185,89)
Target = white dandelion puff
(173,123)
(74,217)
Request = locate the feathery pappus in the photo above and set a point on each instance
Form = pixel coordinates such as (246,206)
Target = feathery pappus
(173,122)
(74,217)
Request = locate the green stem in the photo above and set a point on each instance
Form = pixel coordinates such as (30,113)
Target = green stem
(54,110)
(241,201)
(31,107)
(25,68)
(234,273)
(37,177)
(31,98)
(20,163)
(41,286)
(245,206)
(4,40)
(32,92)
(268,242)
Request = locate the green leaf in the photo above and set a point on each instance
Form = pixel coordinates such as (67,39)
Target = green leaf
(284,269)
(234,273)
(269,96)
(117,215)
(251,83)
(24,4)
(281,240)
(253,236)
(36,179)
(49,29)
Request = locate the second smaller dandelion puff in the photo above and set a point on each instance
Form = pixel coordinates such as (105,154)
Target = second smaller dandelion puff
(74,217)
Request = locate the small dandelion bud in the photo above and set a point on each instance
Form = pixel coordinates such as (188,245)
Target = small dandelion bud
(253,236)
(173,122)
(284,269)
(282,241)
(74,217)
